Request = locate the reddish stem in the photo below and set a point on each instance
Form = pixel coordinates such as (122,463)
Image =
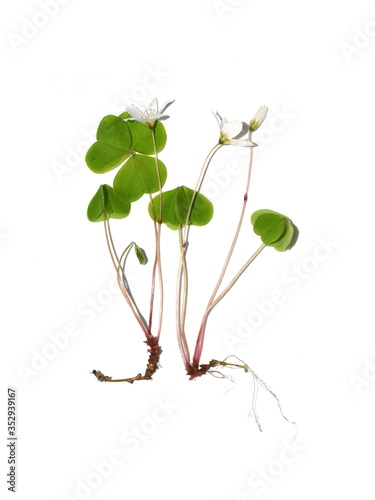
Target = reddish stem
(201,334)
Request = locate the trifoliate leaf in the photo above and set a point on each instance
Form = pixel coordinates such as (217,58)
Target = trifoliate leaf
(141,135)
(107,204)
(275,229)
(139,176)
(112,146)
(175,208)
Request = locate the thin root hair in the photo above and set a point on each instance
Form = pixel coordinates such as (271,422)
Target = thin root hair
(257,380)
(217,374)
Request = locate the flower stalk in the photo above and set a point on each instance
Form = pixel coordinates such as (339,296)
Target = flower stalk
(201,334)
(182,274)
(157,263)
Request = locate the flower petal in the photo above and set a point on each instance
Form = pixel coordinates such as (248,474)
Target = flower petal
(166,105)
(135,112)
(231,129)
(218,118)
(153,108)
(244,131)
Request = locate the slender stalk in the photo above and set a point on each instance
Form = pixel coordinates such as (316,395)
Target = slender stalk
(239,225)
(112,252)
(235,279)
(157,262)
(182,273)
(119,280)
(198,186)
(154,268)
(124,279)
(185,282)
(199,344)
(180,317)
(118,268)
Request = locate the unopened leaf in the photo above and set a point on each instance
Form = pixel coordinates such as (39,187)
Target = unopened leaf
(141,255)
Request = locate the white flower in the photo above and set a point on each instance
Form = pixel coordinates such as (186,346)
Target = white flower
(231,132)
(258,118)
(148,114)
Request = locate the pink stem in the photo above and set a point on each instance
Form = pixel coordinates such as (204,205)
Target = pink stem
(182,270)
(157,262)
(202,330)
(153,279)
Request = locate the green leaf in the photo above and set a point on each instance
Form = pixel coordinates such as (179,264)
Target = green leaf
(141,135)
(139,176)
(270,226)
(112,147)
(169,213)
(107,204)
(175,208)
(275,229)
(258,213)
(141,255)
(288,240)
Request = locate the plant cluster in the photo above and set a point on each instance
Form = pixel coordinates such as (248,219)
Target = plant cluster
(132,141)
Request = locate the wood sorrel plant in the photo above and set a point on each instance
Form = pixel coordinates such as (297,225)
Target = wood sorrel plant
(133,141)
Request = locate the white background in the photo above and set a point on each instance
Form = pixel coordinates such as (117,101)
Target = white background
(312,64)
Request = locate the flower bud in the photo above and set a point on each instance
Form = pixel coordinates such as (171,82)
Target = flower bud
(258,118)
